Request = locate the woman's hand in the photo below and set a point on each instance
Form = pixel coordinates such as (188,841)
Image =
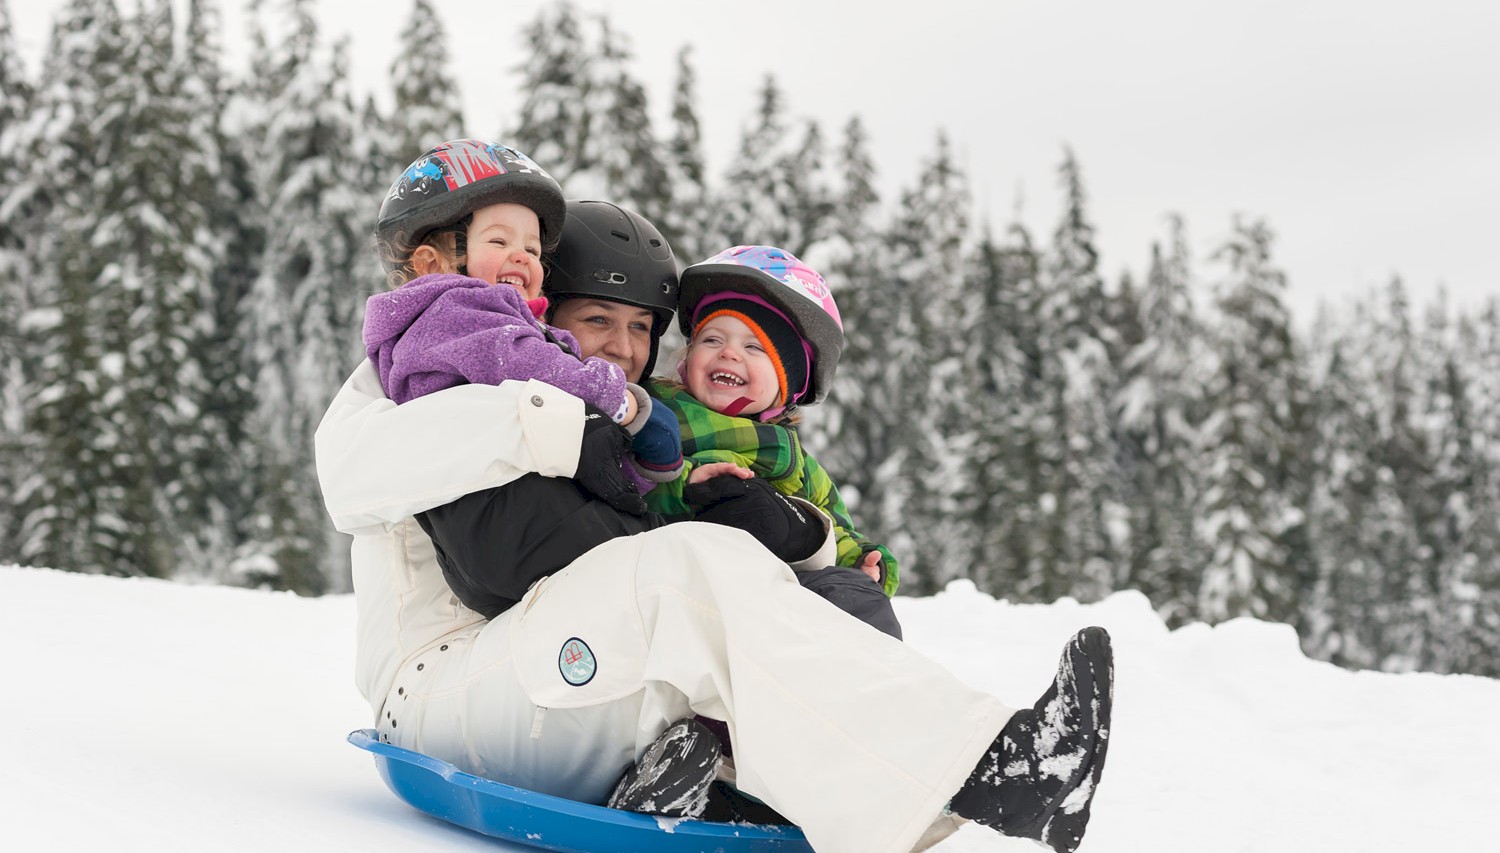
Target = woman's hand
(704,473)
(599,473)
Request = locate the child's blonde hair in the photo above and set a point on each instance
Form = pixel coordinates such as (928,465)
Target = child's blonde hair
(397,257)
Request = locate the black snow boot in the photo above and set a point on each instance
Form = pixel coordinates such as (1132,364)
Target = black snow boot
(673,775)
(1038,779)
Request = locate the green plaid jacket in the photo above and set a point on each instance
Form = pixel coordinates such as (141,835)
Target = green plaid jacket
(773,452)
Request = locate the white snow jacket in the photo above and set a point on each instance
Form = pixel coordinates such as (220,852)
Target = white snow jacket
(380,464)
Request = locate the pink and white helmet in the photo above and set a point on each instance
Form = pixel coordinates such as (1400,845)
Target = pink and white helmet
(783,281)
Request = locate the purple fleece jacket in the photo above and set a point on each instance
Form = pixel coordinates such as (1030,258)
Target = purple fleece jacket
(445,330)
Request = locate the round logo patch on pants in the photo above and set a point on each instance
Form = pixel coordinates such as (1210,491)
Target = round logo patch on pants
(576,662)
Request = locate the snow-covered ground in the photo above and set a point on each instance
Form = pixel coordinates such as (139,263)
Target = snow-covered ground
(149,716)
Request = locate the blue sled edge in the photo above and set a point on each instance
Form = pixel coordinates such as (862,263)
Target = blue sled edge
(554,823)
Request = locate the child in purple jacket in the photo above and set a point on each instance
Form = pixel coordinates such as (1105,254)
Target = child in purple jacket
(462,233)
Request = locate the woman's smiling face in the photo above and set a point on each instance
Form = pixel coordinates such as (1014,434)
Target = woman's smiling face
(613,331)
(727,362)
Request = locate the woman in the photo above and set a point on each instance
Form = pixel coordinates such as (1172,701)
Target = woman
(857,738)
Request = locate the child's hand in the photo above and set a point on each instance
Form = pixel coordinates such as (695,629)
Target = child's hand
(703,473)
(870,565)
(658,442)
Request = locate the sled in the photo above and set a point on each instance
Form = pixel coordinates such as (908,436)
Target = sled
(553,823)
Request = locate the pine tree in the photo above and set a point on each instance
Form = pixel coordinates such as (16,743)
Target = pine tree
(1078,555)
(428,104)
(300,314)
(988,328)
(1159,408)
(15,97)
(1252,441)
(747,209)
(1462,538)
(1472,586)
(686,223)
(804,197)
(162,250)
(849,436)
(210,493)
(554,125)
(86,503)
(1409,360)
(624,161)
(217,108)
(1354,512)
(930,452)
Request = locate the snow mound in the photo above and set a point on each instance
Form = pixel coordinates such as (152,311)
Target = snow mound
(145,716)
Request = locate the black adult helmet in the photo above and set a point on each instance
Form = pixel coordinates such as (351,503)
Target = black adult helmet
(614,254)
(460,176)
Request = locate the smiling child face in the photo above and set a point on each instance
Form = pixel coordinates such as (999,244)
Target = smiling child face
(726,362)
(505,247)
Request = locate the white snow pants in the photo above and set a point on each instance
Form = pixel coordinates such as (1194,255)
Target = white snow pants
(848,732)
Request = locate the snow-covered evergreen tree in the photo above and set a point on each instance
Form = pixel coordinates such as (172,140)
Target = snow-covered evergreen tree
(299,321)
(928,240)
(848,435)
(1463,535)
(15,97)
(626,163)
(1470,582)
(1252,441)
(428,104)
(686,221)
(988,328)
(87,501)
(1159,407)
(553,126)
(162,250)
(777,190)
(1355,514)
(1081,527)
(219,111)
(214,479)
(851,435)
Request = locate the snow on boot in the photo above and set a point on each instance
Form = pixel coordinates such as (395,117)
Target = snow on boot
(1038,779)
(673,775)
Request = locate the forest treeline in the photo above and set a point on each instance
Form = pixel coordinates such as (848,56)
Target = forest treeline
(185,256)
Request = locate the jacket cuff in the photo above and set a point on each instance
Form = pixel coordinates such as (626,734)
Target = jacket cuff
(658,475)
(827,553)
(642,408)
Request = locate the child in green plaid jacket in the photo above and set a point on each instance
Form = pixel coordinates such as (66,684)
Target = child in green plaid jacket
(764,335)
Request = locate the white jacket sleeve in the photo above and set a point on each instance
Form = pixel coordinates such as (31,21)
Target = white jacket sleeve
(379,463)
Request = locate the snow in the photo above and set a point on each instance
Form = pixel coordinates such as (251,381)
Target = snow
(143,715)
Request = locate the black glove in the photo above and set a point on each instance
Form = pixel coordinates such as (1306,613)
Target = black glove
(599,459)
(754,506)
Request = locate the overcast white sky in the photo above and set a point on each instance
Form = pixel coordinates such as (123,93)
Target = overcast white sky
(1365,131)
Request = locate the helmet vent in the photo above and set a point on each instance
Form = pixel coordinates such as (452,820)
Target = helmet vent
(622,235)
(655,243)
(611,277)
